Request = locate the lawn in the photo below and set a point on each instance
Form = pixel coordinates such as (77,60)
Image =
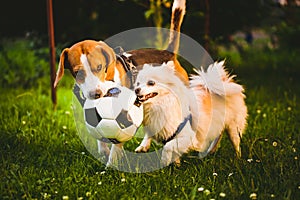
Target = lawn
(42,156)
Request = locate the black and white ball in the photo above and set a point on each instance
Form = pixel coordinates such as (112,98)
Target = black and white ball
(114,117)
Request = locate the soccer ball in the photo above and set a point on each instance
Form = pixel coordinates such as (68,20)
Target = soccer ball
(114,117)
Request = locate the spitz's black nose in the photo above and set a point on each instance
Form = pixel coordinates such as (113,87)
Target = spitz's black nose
(137,90)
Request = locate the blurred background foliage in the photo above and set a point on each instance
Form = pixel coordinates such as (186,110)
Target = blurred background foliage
(240,31)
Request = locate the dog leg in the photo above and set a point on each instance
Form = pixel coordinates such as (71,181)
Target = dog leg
(103,150)
(235,138)
(145,145)
(116,153)
(173,150)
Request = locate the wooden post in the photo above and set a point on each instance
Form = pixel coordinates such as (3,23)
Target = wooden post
(207,26)
(52,51)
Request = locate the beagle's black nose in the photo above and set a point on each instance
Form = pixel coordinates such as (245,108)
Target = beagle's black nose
(95,94)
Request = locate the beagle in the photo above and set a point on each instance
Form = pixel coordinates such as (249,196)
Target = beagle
(93,63)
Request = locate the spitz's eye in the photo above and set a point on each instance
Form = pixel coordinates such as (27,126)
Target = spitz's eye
(151,83)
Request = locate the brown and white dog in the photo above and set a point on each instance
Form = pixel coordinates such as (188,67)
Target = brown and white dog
(93,63)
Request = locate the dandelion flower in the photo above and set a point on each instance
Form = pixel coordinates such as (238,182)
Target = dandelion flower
(264,115)
(123,180)
(200,189)
(23,122)
(289,108)
(258,111)
(215,174)
(250,160)
(64,127)
(275,144)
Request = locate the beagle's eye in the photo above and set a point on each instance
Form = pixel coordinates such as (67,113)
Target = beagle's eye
(151,83)
(80,75)
(99,67)
(138,83)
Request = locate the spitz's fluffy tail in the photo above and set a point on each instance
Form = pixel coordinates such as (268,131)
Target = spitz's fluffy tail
(216,80)
(212,114)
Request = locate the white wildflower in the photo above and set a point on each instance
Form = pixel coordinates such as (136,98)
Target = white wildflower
(103,172)
(253,196)
(206,192)
(222,194)
(65,197)
(88,194)
(67,112)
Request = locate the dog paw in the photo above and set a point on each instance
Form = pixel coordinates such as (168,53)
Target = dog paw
(141,149)
(177,162)
(203,154)
(110,165)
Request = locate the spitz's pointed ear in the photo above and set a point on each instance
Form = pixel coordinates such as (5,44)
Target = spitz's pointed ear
(171,64)
(147,66)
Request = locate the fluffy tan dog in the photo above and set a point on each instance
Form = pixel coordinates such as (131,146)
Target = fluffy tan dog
(190,118)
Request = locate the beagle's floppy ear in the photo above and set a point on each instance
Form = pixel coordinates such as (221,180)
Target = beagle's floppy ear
(61,66)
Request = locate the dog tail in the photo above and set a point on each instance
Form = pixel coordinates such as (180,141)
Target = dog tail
(216,79)
(178,11)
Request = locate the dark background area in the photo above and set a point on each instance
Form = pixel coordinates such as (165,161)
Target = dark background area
(79,19)
(73,20)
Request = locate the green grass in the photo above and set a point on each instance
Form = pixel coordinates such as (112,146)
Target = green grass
(42,157)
